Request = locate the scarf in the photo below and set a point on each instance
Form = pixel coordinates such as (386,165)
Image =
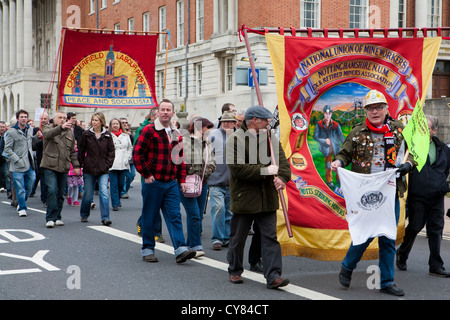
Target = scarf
(390,153)
(118,133)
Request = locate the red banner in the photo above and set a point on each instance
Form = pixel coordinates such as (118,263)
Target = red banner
(107,70)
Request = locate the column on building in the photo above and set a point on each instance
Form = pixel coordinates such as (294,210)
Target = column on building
(19,32)
(216,17)
(1,41)
(232,15)
(27,34)
(12,35)
(5,40)
(421,12)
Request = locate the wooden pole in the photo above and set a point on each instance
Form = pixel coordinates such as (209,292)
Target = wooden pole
(272,155)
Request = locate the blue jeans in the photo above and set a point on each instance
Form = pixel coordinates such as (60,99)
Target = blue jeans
(23,183)
(55,184)
(129,177)
(194,208)
(116,181)
(163,196)
(220,214)
(89,186)
(386,253)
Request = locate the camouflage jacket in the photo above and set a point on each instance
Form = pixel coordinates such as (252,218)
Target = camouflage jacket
(358,148)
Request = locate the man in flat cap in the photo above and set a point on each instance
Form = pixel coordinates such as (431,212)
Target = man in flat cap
(254,185)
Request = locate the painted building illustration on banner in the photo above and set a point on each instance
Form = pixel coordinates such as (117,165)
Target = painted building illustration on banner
(108,71)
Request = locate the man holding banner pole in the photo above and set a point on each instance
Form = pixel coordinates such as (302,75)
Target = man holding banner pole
(371,148)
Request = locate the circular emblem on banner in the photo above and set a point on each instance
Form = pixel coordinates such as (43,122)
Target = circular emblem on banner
(298,161)
(299,121)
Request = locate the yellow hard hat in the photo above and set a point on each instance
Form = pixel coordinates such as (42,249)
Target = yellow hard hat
(374,96)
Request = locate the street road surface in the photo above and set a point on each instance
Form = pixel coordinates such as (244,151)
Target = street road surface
(88,261)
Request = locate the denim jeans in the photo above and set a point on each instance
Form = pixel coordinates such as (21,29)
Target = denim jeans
(386,253)
(129,177)
(23,183)
(55,184)
(116,183)
(89,186)
(220,214)
(163,196)
(194,208)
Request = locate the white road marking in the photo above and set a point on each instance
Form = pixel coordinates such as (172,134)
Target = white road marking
(299,291)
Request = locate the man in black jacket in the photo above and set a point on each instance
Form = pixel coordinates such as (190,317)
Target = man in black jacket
(427,189)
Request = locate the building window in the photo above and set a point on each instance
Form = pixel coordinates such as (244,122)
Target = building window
(161,79)
(434,13)
(198,77)
(358,14)
(228,74)
(179,75)
(117,27)
(91,6)
(131,25)
(180,23)
(162,28)
(146,21)
(200,20)
(104,4)
(310,14)
(401,13)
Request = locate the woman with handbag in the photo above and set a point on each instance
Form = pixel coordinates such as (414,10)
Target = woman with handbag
(199,165)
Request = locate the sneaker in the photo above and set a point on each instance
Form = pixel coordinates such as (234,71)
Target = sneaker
(76,203)
(139,231)
(59,223)
(115,209)
(50,224)
(106,222)
(124,196)
(217,246)
(199,253)
(160,238)
(84,219)
(22,213)
(92,205)
(69,201)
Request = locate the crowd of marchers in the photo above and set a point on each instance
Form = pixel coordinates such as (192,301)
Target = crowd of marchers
(228,162)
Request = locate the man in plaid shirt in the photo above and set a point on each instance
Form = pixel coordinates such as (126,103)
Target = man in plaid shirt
(157,155)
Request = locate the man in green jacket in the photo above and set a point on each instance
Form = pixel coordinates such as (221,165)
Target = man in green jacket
(58,154)
(254,185)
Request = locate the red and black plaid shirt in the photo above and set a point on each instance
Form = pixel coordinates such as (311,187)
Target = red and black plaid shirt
(153,154)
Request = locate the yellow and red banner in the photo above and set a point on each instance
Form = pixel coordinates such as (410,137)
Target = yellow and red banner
(321,85)
(102,70)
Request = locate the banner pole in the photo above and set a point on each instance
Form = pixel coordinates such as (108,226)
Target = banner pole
(272,155)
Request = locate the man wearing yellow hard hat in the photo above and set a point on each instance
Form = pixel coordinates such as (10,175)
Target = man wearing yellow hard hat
(370,147)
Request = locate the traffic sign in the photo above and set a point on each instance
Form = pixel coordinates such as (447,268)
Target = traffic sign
(251,84)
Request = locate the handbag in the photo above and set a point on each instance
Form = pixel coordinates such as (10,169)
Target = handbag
(194,183)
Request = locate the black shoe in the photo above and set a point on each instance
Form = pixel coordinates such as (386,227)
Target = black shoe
(257,267)
(188,254)
(392,290)
(150,258)
(439,272)
(345,276)
(399,262)
(106,222)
